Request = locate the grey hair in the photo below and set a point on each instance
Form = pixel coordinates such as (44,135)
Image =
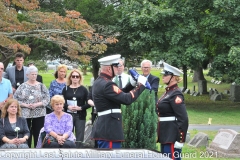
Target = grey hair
(145,60)
(123,60)
(31,69)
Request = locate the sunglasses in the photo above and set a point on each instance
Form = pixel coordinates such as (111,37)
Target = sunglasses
(75,76)
(166,73)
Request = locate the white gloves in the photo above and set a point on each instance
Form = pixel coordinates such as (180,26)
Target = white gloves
(142,80)
(133,82)
(178,145)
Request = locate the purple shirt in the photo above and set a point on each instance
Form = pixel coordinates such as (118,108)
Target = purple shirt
(59,126)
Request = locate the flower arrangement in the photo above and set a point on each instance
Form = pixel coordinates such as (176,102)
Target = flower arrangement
(16,130)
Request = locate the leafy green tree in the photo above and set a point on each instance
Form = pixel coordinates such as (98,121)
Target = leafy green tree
(140,122)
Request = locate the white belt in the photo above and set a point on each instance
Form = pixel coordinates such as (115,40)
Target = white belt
(173,118)
(109,111)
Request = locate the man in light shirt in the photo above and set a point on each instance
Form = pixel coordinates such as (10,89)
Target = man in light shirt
(5,88)
(121,79)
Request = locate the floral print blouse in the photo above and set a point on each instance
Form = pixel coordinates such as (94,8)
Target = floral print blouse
(32,94)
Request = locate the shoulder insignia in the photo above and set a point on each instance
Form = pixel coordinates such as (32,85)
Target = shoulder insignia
(178,100)
(116,89)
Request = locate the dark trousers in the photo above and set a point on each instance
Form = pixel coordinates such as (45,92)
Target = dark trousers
(79,126)
(66,144)
(169,150)
(108,144)
(34,125)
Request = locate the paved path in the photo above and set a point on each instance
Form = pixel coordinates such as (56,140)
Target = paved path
(202,127)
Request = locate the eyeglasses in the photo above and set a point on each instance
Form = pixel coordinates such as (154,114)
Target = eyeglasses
(75,76)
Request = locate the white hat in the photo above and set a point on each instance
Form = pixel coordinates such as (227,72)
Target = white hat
(168,69)
(109,60)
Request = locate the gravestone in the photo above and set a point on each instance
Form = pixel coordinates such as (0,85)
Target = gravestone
(226,92)
(219,82)
(212,80)
(235,93)
(226,144)
(216,82)
(211,92)
(196,94)
(199,140)
(192,93)
(216,97)
(222,95)
(215,90)
(187,91)
(88,142)
(202,87)
(188,137)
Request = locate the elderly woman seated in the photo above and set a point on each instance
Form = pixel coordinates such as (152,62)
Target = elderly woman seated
(58,126)
(14,131)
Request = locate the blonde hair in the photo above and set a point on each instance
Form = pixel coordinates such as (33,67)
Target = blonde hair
(69,81)
(57,99)
(178,79)
(58,69)
(6,106)
(62,66)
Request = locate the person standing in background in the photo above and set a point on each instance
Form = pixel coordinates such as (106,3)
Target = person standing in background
(33,98)
(75,95)
(57,85)
(5,88)
(121,79)
(39,77)
(146,66)
(17,74)
(172,114)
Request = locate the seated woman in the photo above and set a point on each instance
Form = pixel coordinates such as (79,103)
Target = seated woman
(14,130)
(58,125)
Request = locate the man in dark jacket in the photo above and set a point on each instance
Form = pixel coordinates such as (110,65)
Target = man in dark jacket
(146,66)
(108,97)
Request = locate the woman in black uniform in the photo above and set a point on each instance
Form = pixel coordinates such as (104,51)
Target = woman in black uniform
(172,114)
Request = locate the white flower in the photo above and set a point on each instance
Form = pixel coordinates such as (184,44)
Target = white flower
(74,98)
(17,129)
(18,84)
(31,97)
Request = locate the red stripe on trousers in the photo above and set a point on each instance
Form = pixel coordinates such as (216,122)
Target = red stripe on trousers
(172,150)
(110,144)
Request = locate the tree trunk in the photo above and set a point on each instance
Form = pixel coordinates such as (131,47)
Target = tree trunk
(198,75)
(95,67)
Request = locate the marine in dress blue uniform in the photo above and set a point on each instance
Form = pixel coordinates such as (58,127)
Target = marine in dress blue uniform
(107,97)
(172,114)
